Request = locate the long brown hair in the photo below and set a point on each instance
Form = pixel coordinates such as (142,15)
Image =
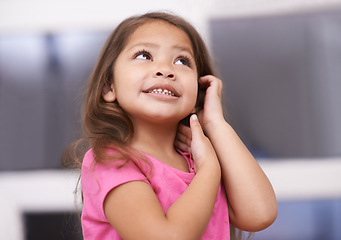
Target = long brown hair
(106,124)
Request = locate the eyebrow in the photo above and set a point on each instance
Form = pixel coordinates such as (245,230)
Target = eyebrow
(154,45)
(182,48)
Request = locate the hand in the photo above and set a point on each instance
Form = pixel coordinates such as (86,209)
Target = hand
(183,139)
(194,141)
(212,111)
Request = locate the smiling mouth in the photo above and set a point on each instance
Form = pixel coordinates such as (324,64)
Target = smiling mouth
(162,92)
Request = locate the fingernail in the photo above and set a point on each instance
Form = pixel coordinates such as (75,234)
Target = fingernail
(194,117)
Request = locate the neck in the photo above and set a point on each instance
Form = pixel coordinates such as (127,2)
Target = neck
(154,139)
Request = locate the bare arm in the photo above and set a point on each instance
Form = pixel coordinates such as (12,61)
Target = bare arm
(252,202)
(135,212)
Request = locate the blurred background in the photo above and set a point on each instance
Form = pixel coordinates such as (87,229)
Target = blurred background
(281,66)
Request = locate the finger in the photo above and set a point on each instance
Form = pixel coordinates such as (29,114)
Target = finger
(211,82)
(183,138)
(200,116)
(182,146)
(196,129)
(209,79)
(185,131)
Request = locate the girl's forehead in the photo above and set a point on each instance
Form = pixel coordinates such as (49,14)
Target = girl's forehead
(160,31)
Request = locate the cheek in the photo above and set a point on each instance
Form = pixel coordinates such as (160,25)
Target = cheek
(200,100)
(122,91)
(193,91)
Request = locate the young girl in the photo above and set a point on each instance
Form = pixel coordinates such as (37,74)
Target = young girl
(146,175)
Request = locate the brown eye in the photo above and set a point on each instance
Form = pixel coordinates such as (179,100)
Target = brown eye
(143,55)
(182,60)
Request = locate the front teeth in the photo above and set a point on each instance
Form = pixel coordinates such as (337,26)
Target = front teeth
(160,91)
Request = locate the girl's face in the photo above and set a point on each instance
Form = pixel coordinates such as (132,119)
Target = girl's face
(155,75)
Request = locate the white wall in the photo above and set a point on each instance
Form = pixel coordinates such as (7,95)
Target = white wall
(44,15)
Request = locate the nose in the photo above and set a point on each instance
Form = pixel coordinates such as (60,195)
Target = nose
(163,70)
(164,74)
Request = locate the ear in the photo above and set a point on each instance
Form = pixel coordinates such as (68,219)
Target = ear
(109,94)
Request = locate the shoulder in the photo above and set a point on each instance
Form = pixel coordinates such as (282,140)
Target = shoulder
(89,161)
(98,179)
(88,158)
(108,174)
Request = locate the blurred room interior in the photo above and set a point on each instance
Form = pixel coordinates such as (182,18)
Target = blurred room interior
(280,63)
